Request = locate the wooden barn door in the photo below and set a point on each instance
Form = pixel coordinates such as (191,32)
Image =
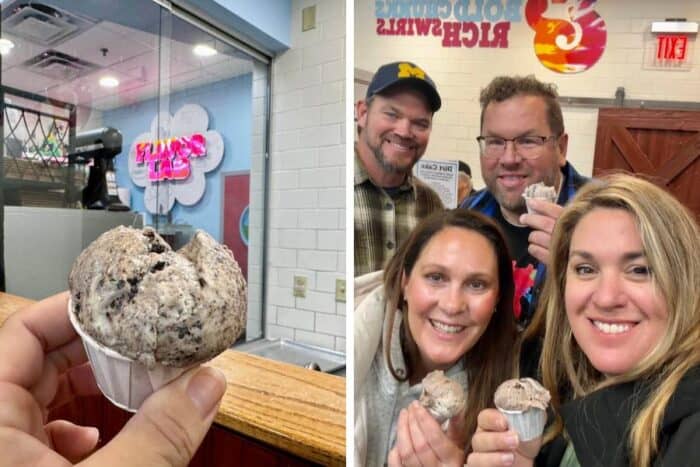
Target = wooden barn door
(661,144)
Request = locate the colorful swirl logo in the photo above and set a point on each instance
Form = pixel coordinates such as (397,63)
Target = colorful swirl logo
(569,35)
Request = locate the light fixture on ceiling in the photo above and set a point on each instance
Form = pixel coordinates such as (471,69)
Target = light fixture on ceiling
(5,46)
(203,50)
(109,82)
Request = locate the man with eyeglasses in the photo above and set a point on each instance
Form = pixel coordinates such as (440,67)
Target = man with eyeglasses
(523,142)
(394,122)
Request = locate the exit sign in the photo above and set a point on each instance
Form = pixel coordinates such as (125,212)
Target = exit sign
(669,51)
(672,47)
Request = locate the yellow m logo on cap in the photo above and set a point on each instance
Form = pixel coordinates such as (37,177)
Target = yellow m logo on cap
(406,70)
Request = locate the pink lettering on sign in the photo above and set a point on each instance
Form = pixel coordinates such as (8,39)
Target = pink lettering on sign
(169,159)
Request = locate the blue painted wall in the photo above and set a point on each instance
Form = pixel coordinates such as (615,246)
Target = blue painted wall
(229,105)
(271,16)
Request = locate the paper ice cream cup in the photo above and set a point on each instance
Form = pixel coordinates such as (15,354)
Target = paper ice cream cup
(529,424)
(122,380)
(528,198)
(550,196)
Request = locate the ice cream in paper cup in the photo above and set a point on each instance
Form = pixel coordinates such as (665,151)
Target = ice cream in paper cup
(539,191)
(147,314)
(524,403)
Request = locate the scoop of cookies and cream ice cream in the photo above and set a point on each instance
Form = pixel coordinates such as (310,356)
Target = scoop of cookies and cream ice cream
(441,396)
(521,395)
(133,294)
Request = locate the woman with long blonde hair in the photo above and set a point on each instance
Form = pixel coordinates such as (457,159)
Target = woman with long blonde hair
(621,352)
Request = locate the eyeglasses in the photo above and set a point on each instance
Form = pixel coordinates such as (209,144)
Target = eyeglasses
(528,146)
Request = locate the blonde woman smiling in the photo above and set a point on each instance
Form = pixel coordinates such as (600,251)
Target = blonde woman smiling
(621,311)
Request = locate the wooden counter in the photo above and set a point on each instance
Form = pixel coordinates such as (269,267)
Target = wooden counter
(11,303)
(284,406)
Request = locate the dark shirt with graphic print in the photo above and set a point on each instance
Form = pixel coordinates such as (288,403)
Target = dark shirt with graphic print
(528,273)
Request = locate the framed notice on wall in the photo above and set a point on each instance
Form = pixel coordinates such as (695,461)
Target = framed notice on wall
(235,216)
(441,176)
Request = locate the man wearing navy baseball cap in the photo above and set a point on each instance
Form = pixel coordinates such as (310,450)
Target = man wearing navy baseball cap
(394,123)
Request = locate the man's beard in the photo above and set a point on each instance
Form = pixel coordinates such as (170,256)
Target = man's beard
(386,165)
(517,205)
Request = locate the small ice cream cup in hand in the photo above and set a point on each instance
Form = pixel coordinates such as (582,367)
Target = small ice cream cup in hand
(146,314)
(122,380)
(539,191)
(524,403)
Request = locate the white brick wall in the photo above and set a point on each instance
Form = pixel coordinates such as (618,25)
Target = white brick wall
(461,72)
(307,179)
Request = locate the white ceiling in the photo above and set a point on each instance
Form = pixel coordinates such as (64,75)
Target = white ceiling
(133,57)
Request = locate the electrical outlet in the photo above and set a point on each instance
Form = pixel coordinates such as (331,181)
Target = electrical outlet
(340,290)
(300,286)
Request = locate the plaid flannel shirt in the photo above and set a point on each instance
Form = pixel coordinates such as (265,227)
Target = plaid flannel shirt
(382,221)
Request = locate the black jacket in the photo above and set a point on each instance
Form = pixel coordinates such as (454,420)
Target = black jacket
(598,426)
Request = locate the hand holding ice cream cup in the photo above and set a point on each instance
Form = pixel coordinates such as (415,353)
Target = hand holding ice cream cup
(146,314)
(511,434)
(542,214)
(432,430)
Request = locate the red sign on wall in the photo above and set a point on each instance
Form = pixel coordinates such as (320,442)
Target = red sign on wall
(672,47)
(236,199)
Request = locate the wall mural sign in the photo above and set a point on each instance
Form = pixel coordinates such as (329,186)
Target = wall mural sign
(171,159)
(569,37)
(461,23)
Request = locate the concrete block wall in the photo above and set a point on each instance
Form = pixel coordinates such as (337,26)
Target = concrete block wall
(461,72)
(307,180)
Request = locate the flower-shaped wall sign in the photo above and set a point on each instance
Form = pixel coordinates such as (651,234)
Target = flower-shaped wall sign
(171,159)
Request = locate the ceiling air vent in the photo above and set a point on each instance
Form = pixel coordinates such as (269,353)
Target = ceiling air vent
(41,24)
(58,65)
